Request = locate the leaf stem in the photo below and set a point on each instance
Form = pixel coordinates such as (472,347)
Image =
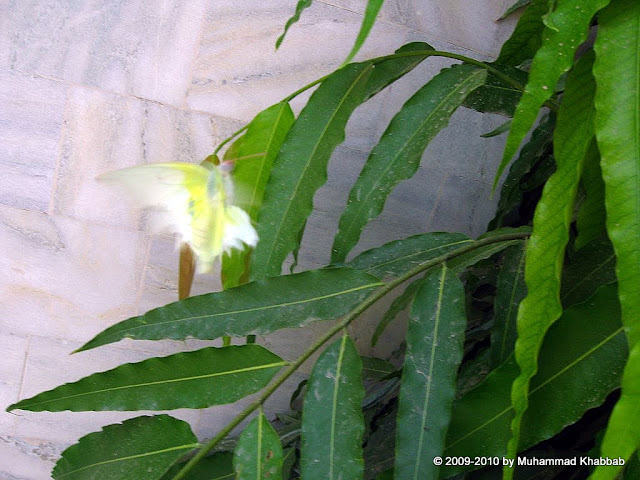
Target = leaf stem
(229,138)
(344,323)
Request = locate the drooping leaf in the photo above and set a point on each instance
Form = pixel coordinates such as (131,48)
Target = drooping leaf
(253,155)
(545,251)
(399,304)
(300,6)
(397,155)
(258,454)
(527,36)
(198,379)
(255,308)
(434,350)
(369,18)
(510,291)
(496,96)
(499,130)
(301,166)
(618,135)
(512,191)
(555,57)
(514,7)
(588,269)
(152,445)
(218,466)
(570,370)
(591,218)
(332,420)
(394,258)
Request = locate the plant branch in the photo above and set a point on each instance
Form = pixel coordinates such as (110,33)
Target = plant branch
(356,312)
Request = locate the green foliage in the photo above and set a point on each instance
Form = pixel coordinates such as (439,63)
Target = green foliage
(370,14)
(513,342)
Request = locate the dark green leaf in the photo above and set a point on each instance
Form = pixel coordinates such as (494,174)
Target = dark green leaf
(300,6)
(301,166)
(137,449)
(256,308)
(199,379)
(514,7)
(495,96)
(498,130)
(397,155)
(527,36)
(370,14)
(591,218)
(568,370)
(399,304)
(510,291)
(434,350)
(218,466)
(545,252)
(376,368)
(332,420)
(258,454)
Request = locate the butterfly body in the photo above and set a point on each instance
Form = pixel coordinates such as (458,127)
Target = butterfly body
(194,201)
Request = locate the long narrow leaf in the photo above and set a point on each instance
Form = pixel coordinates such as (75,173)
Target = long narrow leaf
(495,96)
(434,351)
(400,303)
(569,370)
(397,155)
(199,379)
(152,445)
(555,56)
(543,266)
(258,454)
(527,36)
(332,420)
(618,135)
(301,166)
(300,6)
(370,14)
(256,308)
(591,218)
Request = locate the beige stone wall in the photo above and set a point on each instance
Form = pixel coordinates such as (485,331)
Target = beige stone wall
(91,86)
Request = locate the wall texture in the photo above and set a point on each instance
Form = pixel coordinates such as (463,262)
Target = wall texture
(91,86)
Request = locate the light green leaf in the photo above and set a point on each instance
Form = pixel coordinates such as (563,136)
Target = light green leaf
(218,466)
(555,56)
(332,419)
(495,96)
(397,155)
(591,218)
(499,130)
(514,7)
(618,135)
(253,155)
(568,370)
(394,258)
(300,6)
(301,166)
(545,252)
(199,379)
(152,445)
(527,36)
(258,454)
(370,14)
(434,350)
(509,292)
(256,308)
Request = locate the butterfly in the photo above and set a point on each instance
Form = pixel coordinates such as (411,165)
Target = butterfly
(193,201)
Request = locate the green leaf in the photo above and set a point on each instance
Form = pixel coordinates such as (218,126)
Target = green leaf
(332,419)
(570,370)
(510,291)
(397,155)
(527,36)
(591,267)
(136,449)
(495,96)
(618,135)
(545,252)
(512,190)
(301,166)
(499,130)
(199,379)
(253,155)
(591,218)
(376,368)
(218,466)
(395,258)
(555,57)
(258,454)
(399,304)
(435,339)
(256,308)
(370,14)
(300,6)
(514,7)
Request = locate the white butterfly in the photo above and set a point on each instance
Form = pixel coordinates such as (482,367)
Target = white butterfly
(197,203)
